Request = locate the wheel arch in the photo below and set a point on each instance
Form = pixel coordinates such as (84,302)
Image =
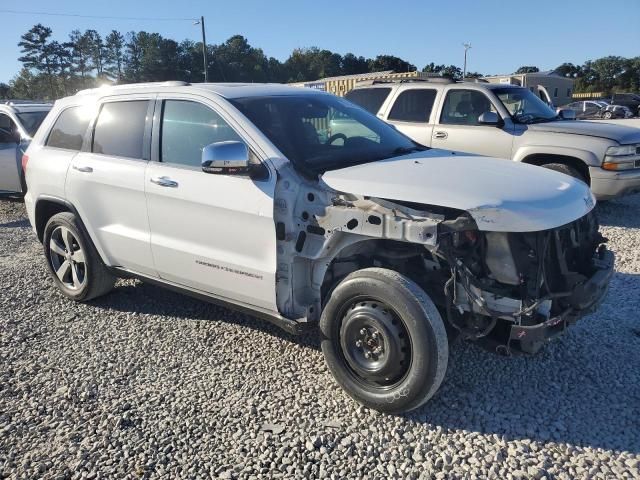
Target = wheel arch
(47,206)
(541,159)
(357,255)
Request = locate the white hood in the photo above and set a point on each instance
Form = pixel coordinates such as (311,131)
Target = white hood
(500,195)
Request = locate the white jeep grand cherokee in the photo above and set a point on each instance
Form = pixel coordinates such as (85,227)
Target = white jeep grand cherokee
(241,194)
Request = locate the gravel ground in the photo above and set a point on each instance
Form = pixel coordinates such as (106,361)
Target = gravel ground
(145,383)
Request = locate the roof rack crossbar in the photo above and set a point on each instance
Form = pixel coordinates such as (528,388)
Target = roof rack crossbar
(382,81)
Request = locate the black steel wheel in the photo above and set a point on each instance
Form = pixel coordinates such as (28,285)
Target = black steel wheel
(384,340)
(375,343)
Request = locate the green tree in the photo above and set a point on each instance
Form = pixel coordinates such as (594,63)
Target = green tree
(114,56)
(133,58)
(569,70)
(352,64)
(237,61)
(80,54)
(38,54)
(62,53)
(389,62)
(96,49)
(190,61)
(527,69)
(609,70)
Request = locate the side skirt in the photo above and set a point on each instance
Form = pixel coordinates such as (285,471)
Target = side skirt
(293,327)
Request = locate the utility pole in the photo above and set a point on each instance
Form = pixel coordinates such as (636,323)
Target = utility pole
(204,49)
(466,46)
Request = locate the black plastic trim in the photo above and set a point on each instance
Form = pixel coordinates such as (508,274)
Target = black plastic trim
(291,326)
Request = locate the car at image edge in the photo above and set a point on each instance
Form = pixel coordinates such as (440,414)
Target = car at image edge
(594,109)
(629,100)
(19,121)
(239,194)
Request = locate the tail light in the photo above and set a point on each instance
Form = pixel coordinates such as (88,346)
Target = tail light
(25,160)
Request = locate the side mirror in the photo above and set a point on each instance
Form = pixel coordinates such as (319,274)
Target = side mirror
(226,158)
(489,118)
(567,114)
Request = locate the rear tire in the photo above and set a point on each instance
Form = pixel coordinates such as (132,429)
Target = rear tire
(566,169)
(384,340)
(607,115)
(74,263)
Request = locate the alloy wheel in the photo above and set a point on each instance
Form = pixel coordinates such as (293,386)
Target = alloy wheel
(67,258)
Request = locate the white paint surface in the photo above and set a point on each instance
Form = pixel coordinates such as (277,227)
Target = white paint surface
(501,196)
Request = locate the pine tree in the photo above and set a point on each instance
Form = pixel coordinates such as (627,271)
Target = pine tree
(114,56)
(39,53)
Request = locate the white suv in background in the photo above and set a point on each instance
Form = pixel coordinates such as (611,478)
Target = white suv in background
(241,194)
(507,121)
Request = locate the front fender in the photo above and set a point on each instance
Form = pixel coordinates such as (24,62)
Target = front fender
(588,157)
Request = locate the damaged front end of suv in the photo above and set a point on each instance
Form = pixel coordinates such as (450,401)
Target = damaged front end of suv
(513,291)
(509,274)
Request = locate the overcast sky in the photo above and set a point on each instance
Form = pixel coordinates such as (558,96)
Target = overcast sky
(504,34)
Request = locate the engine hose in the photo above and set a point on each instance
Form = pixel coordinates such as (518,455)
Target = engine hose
(450,301)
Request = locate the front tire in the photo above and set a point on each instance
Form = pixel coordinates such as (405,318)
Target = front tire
(607,115)
(74,263)
(566,169)
(384,340)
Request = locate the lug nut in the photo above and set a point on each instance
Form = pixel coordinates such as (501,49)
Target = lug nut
(358,343)
(363,331)
(367,354)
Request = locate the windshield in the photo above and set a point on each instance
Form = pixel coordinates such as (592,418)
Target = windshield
(323,132)
(32,120)
(524,105)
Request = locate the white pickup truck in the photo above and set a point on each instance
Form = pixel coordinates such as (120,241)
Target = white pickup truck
(506,121)
(237,194)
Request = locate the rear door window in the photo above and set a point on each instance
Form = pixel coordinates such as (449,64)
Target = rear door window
(119,130)
(413,105)
(371,99)
(69,129)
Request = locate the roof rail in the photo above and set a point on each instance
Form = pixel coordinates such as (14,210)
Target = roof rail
(25,103)
(169,83)
(405,80)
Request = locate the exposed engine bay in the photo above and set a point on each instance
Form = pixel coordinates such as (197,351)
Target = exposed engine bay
(510,291)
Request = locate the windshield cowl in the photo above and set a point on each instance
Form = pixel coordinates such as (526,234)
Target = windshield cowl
(530,119)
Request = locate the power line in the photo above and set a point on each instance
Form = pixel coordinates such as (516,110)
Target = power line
(52,14)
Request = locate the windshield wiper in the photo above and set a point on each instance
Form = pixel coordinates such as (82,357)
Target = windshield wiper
(406,150)
(528,119)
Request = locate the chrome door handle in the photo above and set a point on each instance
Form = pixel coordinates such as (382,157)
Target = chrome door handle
(164,182)
(440,135)
(83,169)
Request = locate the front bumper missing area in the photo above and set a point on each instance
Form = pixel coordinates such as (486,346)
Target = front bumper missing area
(585,299)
